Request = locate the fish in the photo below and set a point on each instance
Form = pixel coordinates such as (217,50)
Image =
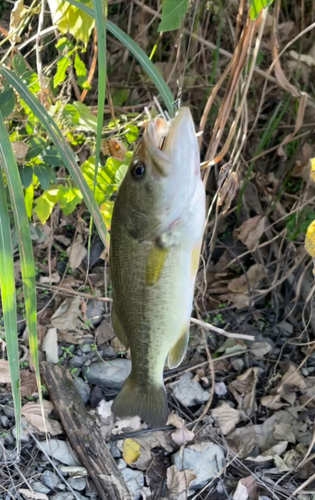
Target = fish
(155,243)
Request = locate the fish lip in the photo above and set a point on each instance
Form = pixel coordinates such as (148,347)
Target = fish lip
(163,139)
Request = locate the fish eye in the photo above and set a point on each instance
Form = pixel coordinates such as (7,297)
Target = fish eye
(138,169)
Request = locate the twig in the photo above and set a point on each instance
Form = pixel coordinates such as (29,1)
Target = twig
(207,326)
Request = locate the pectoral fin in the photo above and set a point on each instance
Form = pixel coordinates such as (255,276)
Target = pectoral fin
(155,264)
(118,329)
(177,352)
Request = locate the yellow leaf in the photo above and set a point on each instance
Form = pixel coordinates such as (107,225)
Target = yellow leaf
(312,171)
(131,451)
(310,236)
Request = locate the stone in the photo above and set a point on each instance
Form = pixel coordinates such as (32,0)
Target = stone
(77,361)
(115,451)
(94,311)
(206,459)
(77,483)
(4,421)
(86,348)
(40,487)
(60,450)
(62,495)
(50,479)
(189,392)
(83,389)
(134,479)
(111,374)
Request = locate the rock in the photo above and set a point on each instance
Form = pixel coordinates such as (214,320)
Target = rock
(77,361)
(134,479)
(121,464)
(40,487)
(206,459)
(189,392)
(111,374)
(79,496)
(83,389)
(63,495)
(9,439)
(50,479)
(25,437)
(91,492)
(4,421)
(77,483)
(108,351)
(94,311)
(85,348)
(59,450)
(115,451)
(9,412)
(285,328)
(61,486)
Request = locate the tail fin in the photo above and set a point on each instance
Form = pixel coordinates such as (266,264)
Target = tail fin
(149,402)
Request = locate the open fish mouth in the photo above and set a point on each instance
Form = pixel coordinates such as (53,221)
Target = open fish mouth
(165,138)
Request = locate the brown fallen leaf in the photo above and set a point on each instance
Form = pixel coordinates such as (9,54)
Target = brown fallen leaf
(243,389)
(17,14)
(66,317)
(251,231)
(76,252)
(273,402)
(53,278)
(4,372)
(227,417)
(32,412)
(104,332)
(20,150)
(182,436)
(245,283)
(50,346)
(228,190)
(28,383)
(292,379)
(260,349)
(178,482)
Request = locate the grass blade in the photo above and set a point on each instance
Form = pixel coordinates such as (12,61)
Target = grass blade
(139,54)
(8,296)
(25,246)
(62,147)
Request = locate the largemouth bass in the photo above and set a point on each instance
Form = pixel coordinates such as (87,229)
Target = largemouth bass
(156,236)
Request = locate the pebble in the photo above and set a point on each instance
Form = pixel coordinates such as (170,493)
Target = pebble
(94,311)
(63,495)
(40,487)
(134,479)
(188,392)
(50,479)
(121,464)
(86,348)
(9,439)
(24,434)
(59,450)
(61,486)
(77,483)
(91,492)
(83,389)
(206,459)
(111,374)
(4,421)
(9,412)
(77,361)
(115,451)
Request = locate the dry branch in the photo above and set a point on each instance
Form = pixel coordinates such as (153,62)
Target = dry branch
(84,435)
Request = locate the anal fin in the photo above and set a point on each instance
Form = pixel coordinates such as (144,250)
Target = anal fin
(177,352)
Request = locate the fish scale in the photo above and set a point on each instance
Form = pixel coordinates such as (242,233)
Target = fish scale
(156,236)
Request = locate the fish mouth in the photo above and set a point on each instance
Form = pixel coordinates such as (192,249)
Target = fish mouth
(166,139)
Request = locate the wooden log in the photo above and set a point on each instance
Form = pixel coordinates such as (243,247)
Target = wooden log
(84,435)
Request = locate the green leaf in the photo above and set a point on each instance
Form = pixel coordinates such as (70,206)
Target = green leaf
(107,212)
(36,146)
(29,77)
(45,175)
(120,97)
(7,102)
(62,66)
(29,198)
(120,174)
(69,198)
(8,296)
(80,69)
(71,19)
(51,157)
(26,175)
(70,115)
(132,133)
(256,6)
(87,120)
(139,54)
(63,148)
(173,12)
(45,203)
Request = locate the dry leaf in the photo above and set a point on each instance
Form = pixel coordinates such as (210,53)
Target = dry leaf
(241,492)
(20,150)
(273,402)
(292,379)
(66,317)
(16,17)
(76,252)
(251,486)
(239,300)
(251,231)
(243,388)
(131,451)
(277,449)
(284,432)
(53,278)
(227,417)
(310,239)
(4,372)
(178,482)
(175,420)
(245,283)
(32,412)
(28,383)
(104,332)
(229,187)
(132,424)
(113,147)
(182,436)
(260,349)
(33,495)
(71,337)
(50,346)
